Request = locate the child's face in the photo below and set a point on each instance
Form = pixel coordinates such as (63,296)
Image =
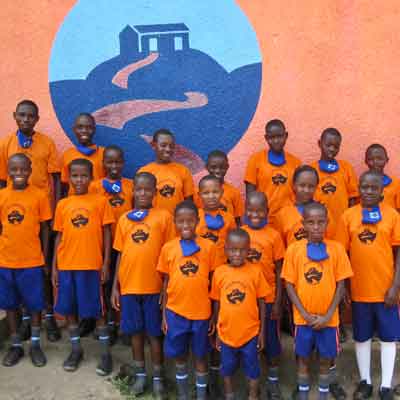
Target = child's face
(84,129)
(218,166)
(210,193)
(186,221)
(276,138)
(370,188)
(144,192)
(330,146)
(256,210)
(304,187)
(376,159)
(79,178)
(113,163)
(315,222)
(26,118)
(19,171)
(236,250)
(164,148)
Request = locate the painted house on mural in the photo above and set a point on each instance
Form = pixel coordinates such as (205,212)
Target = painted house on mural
(145,39)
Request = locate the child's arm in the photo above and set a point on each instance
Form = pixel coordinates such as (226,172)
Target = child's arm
(44,239)
(392,295)
(64,189)
(250,188)
(321,320)
(54,275)
(214,317)
(105,269)
(277,306)
(56,186)
(115,294)
(261,335)
(291,291)
(164,300)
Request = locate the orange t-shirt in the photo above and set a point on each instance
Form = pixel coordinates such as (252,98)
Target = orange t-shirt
(288,224)
(231,200)
(119,202)
(274,181)
(218,237)
(72,154)
(315,282)
(391,194)
(238,291)
(335,189)
(370,250)
(188,278)
(42,153)
(140,243)
(21,212)
(266,247)
(174,184)
(80,219)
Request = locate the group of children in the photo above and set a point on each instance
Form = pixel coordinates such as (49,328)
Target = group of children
(197,271)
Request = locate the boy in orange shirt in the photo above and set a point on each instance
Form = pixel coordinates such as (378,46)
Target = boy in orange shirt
(238,291)
(376,158)
(186,264)
(214,222)
(370,233)
(81,260)
(270,171)
(84,128)
(25,212)
(174,180)
(315,271)
(337,187)
(231,201)
(139,237)
(267,249)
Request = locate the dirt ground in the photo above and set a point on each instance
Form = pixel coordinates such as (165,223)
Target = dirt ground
(25,382)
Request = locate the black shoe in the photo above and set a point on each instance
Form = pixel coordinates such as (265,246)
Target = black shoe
(72,362)
(214,387)
(86,326)
(337,391)
(37,356)
(363,391)
(24,331)
(274,391)
(14,354)
(105,366)
(386,394)
(52,330)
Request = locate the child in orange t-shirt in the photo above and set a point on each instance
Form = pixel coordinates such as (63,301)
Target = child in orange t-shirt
(315,271)
(24,215)
(231,201)
(214,223)
(139,237)
(81,260)
(270,171)
(370,232)
(267,249)
(288,222)
(84,129)
(376,158)
(174,180)
(337,187)
(186,264)
(238,291)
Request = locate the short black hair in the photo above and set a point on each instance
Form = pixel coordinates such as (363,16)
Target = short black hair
(375,174)
(160,132)
(238,232)
(145,175)
(81,162)
(20,156)
(376,146)
(85,114)
(259,195)
(331,131)
(113,147)
(217,154)
(315,205)
(27,102)
(274,123)
(187,205)
(209,178)
(304,168)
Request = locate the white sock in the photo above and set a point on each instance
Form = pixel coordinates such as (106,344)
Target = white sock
(388,356)
(363,355)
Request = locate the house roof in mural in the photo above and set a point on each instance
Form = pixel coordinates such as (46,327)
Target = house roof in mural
(160,28)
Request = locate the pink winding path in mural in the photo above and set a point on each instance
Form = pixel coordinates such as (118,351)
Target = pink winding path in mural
(121,77)
(118,114)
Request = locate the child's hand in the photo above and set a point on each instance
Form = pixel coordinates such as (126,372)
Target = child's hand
(105,274)
(115,299)
(309,318)
(320,321)
(276,309)
(218,343)
(392,297)
(160,299)
(46,270)
(54,277)
(164,325)
(211,327)
(260,342)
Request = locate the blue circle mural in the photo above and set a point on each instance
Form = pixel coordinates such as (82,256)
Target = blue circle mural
(190,66)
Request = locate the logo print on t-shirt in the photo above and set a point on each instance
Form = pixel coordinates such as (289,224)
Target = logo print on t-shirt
(279,179)
(236,296)
(189,268)
(300,234)
(15,214)
(116,201)
(166,188)
(366,236)
(328,188)
(141,233)
(210,236)
(80,217)
(313,276)
(254,255)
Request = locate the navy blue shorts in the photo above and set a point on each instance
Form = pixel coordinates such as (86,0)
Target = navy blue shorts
(272,334)
(325,341)
(79,294)
(141,313)
(22,287)
(247,355)
(182,333)
(371,318)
